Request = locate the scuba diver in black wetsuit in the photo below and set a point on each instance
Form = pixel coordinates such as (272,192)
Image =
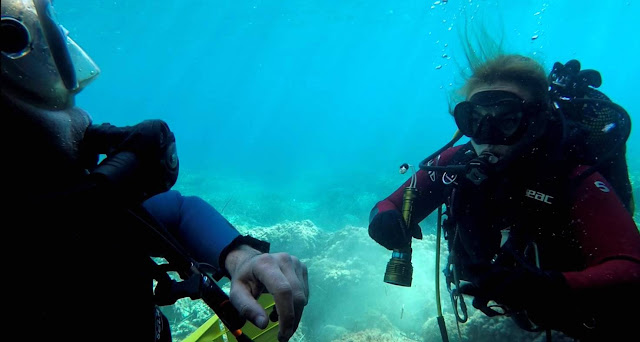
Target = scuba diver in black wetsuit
(533,231)
(78,251)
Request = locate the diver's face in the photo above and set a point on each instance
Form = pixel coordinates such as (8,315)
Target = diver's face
(41,64)
(42,70)
(497,150)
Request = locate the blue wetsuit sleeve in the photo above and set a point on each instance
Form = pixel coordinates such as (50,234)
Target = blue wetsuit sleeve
(197,225)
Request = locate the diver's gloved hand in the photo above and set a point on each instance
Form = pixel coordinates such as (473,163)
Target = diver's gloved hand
(568,80)
(389,230)
(519,288)
(141,159)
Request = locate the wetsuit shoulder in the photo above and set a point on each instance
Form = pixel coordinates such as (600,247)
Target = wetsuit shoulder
(606,232)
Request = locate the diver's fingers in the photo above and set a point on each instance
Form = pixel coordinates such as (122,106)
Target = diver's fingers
(295,272)
(243,300)
(267,271)
(303,277)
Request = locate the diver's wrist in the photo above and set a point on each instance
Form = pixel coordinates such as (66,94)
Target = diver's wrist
(241,249)
(239,256)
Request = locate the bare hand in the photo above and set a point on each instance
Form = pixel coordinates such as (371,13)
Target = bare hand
(279,274)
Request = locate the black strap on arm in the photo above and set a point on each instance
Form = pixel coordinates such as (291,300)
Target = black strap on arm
(197,284)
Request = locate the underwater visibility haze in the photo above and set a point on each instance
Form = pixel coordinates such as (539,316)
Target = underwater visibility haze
(292,118)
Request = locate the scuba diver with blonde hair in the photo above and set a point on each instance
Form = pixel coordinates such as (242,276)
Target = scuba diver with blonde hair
(84,232)
(538,203)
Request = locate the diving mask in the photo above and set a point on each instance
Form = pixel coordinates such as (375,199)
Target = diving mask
(495,117)
(39,61)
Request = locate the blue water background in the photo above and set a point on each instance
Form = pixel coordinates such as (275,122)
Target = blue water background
(319,102)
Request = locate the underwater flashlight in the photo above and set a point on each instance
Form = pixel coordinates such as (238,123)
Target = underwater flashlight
(399,268)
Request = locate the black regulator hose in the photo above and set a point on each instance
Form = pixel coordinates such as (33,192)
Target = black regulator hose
(424,164)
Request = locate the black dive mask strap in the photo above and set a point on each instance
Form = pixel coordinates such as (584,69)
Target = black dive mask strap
(57,41)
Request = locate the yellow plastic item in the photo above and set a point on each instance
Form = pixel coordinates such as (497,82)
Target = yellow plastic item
(214,331)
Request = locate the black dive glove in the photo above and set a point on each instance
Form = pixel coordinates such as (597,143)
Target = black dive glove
(389,230)
(142,160)
(567,80)
(522,288)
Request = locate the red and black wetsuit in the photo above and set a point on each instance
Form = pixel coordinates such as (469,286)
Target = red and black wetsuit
(584,232)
